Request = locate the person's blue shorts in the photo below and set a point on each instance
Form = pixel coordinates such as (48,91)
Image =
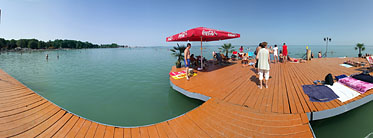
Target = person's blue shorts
(187,65)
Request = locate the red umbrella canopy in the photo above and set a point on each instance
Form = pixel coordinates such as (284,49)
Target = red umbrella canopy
(206,34)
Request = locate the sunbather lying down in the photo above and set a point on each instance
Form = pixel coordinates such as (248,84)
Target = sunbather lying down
(354,63)
(295,60)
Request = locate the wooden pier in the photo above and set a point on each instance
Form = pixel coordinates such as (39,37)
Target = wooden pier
(236,107)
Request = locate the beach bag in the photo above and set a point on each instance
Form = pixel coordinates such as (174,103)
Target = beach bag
(329,79)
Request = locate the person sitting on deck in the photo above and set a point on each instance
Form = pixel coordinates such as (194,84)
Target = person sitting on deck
(263,57)
(219,59)
(193,61)
(245,60)
(204,61)
(281,57)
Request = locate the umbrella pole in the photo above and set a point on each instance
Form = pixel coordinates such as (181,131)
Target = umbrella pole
(201,55)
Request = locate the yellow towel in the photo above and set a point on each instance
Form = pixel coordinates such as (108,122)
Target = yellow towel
(183,75)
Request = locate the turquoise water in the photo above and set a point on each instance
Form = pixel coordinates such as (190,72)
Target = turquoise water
(130,87)
(125,87)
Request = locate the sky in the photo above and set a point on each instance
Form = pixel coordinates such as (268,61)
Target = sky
(149,22)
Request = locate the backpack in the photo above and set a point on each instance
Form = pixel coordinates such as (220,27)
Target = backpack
(329,79)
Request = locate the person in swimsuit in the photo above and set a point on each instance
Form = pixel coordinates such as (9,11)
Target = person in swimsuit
(319,55)
(295,60)
(187,59)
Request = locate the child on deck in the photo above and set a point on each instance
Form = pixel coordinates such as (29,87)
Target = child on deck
(281,57)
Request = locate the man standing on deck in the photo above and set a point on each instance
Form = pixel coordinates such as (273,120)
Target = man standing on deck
(285,52)
(187,59)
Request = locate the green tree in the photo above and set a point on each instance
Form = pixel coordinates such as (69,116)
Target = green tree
(33,44)
(12,44)
(42,45)
(227,48)
(58,43)
(3,43)
(178,52)
(23,43)
(361,47)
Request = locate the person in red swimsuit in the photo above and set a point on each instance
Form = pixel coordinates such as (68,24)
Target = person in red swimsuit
(285,52)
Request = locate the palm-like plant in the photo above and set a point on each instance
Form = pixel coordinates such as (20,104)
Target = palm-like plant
(178,52)
(227,48)
(361,47)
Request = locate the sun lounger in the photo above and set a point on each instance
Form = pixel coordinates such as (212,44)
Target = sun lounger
(354,63)
(370,62)
(346,65)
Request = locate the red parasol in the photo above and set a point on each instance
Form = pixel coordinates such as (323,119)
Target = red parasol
(202,34)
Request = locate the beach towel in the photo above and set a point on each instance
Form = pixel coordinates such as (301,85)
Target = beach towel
(179,75)
(357,85)
(344,93)
(363,77)
(346,65)
(319,93)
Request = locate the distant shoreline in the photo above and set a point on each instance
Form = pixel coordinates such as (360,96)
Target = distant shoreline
(25,50)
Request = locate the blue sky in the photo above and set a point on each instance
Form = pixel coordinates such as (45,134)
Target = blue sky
(148,23)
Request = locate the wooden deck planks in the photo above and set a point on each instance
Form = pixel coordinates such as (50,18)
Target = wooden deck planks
(237,108)
(118,132)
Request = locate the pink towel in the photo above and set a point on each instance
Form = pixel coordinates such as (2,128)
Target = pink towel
(177,73)
(357,85)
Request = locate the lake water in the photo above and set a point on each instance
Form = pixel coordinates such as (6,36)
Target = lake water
(125,87)
(130,86)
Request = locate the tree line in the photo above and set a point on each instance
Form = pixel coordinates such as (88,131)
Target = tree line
(55,44)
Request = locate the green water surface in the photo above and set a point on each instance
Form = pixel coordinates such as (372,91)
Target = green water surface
(125,87)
